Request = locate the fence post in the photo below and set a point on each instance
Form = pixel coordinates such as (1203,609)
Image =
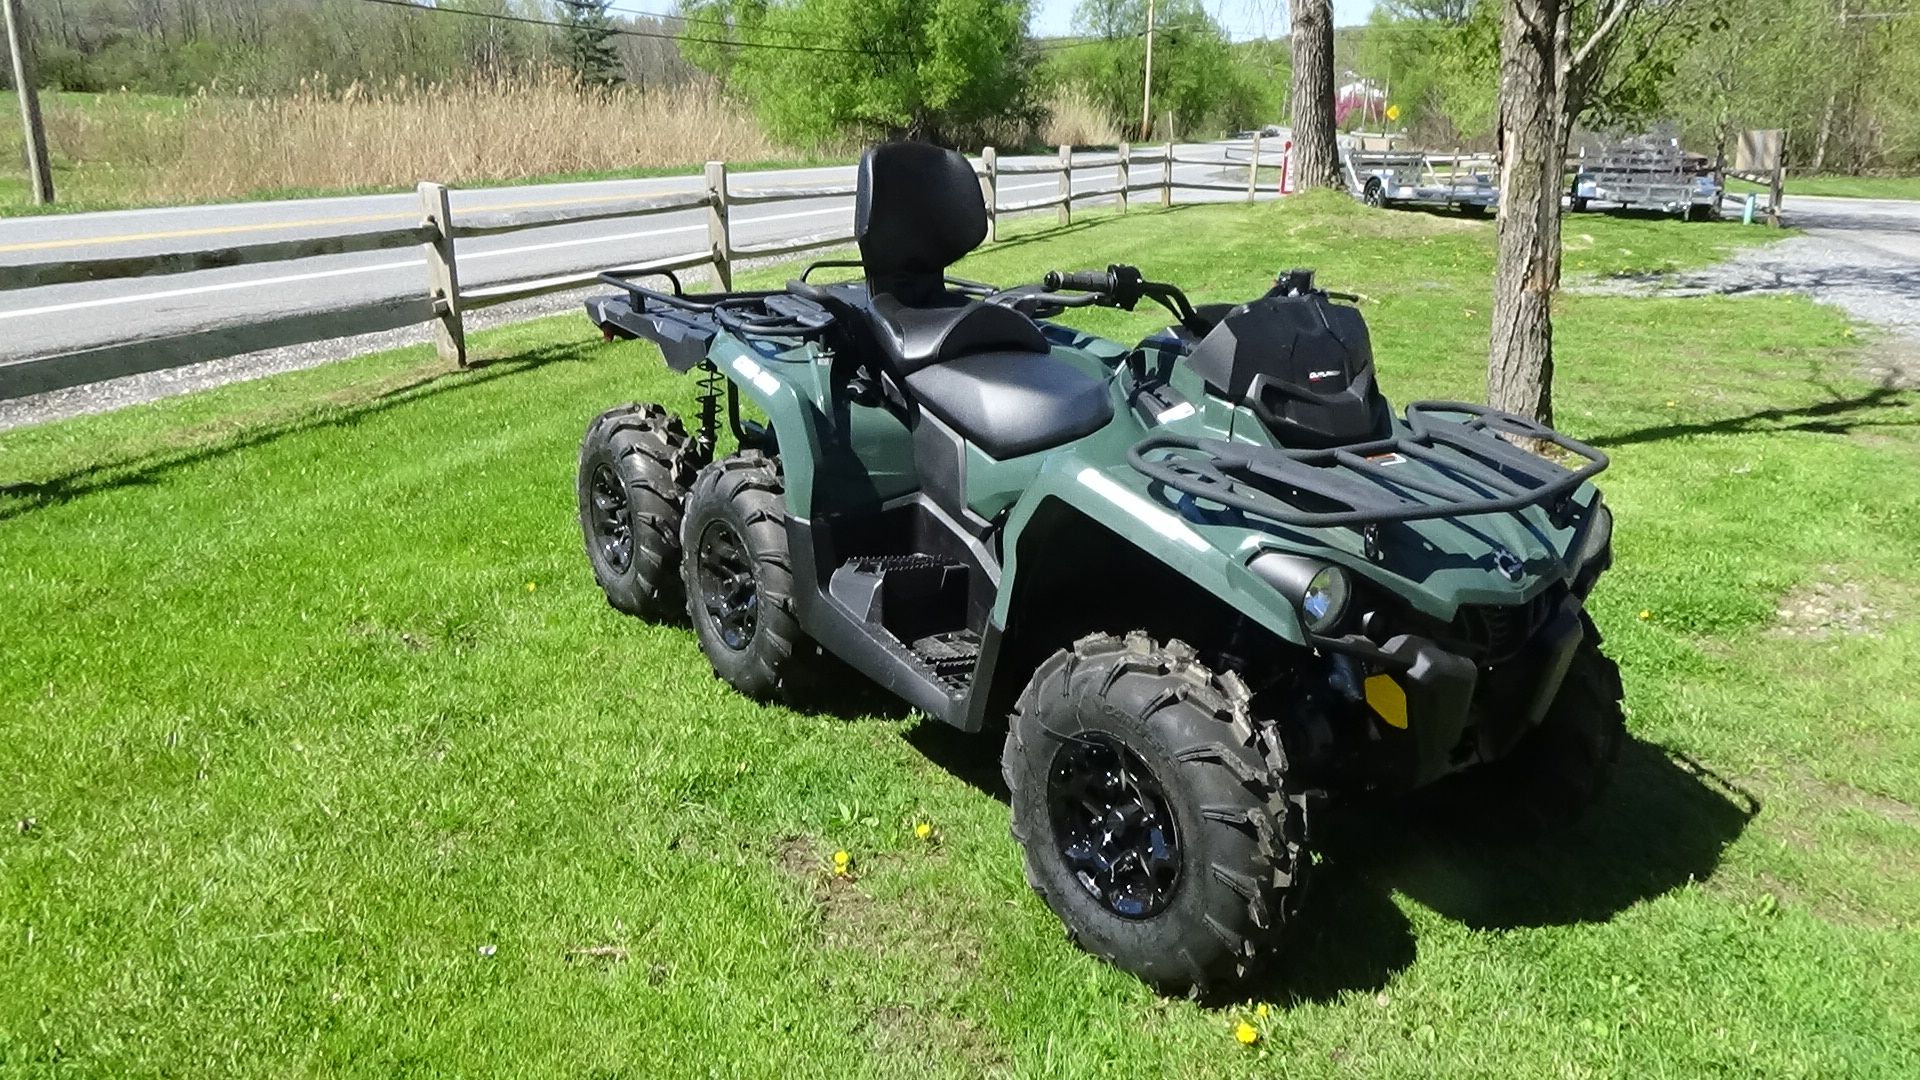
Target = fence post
(1286,165)
(1126,175)
(1166,178)
(443,276)
(1253,168)
(990,191)
(719,238)
(1066,184)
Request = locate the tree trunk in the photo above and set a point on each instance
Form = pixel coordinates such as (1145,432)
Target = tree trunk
(1315,157)
(1534,125)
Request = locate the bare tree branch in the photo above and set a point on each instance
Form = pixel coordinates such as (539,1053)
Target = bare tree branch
(1608,24)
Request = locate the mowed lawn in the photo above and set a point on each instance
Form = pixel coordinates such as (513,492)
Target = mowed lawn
(320,753)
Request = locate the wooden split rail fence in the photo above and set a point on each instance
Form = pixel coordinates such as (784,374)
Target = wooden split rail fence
(444,302)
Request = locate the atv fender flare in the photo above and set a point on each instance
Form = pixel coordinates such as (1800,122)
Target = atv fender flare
(1073,507)
(767,384)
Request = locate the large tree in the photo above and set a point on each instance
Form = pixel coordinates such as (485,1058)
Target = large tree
(1553,55)
(1316,159)
(823,70)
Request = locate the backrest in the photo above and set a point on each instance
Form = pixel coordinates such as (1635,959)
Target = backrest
(918,211)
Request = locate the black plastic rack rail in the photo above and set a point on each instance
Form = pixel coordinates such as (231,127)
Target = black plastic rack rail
(1362,484)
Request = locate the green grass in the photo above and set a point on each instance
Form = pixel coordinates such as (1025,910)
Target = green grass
(1850,187)
(328,757)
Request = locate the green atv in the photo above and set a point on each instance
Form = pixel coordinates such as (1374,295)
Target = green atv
(1206,582)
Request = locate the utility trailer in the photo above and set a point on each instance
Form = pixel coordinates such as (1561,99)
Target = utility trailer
(1646,172)
(1390,177)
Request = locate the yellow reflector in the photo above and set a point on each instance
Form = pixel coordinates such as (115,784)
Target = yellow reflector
(1388,700)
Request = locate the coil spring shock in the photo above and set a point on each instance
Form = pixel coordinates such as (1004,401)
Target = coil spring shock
(709,418)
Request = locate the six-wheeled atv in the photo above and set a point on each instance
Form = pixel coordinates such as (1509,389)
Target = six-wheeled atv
(1204,581)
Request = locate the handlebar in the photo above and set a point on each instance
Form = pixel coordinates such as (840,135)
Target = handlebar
(1122,286)
(1093,281)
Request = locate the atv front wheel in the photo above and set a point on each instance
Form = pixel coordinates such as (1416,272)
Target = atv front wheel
(1559,768)
(738,576)
(1151,808)
(636,464)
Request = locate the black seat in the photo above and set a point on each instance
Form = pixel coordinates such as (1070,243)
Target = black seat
(983,369)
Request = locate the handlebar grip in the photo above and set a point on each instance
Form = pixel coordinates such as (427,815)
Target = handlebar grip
(1099,281)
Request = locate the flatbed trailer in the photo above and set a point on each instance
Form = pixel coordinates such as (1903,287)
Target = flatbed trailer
(1645,173)
(1386,178)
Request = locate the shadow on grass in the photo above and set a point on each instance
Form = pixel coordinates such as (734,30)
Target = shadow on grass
(150,467)
(1837,416)
(1663,821)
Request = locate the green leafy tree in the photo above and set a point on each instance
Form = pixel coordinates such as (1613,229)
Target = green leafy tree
(1200,77)
(822,70)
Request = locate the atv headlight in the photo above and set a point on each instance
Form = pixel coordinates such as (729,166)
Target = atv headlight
(1326,599)
(1319,590)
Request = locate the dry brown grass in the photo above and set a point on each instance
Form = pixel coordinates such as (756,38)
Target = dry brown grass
(1075,119)
(222,143)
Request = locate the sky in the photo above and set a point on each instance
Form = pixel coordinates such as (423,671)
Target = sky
(1243,18)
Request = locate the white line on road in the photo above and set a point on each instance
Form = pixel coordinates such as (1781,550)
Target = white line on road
(375,268)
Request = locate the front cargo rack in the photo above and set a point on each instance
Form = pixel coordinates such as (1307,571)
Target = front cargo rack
(1361,484)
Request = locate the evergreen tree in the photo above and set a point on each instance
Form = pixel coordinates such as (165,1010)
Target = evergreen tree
(590,49)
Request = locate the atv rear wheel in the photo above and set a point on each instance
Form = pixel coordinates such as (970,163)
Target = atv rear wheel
(1152,811)
(1557,770)
(738,576)
(636,464)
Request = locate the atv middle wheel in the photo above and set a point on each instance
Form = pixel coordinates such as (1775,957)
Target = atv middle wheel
(739,579)
(636,464)
(1152,811)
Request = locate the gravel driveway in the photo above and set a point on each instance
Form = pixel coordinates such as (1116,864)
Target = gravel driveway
(1860,255)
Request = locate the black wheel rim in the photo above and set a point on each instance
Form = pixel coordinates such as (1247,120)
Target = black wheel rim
(610,519)
(1112,826)
(728,589)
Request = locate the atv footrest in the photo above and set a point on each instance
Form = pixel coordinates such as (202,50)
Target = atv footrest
(909,597)
(951,656)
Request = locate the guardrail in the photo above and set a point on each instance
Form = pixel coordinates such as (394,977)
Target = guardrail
(445,302)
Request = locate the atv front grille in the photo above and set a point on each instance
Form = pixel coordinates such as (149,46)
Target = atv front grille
(1495,632)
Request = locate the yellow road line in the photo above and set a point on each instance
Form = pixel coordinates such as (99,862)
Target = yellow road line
(217,230)
(309,223)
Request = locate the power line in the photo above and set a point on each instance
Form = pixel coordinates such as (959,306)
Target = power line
(663,16)
(629,32)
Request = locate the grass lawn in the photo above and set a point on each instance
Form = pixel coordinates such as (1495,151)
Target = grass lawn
(321,753)
(1851,187)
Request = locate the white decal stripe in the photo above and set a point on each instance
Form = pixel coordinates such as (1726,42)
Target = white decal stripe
(1141,510)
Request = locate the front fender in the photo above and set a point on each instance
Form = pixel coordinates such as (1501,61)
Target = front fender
(1116,499)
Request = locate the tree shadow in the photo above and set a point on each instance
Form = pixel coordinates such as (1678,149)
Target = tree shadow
(147,468)
(1835,416)
(1663,821)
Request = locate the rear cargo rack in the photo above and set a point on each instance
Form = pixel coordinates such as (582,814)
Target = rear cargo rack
(753,312)
(1358,484)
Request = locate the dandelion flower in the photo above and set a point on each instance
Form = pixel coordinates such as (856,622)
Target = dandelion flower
(841,861)
(923,830)
(1645,614)
(1260,1010)
(1246,1033)
(531,586)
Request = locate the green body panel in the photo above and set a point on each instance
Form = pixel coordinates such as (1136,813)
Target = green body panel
(865,454)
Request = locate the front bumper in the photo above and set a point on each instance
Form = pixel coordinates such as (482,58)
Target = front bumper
(1432,711)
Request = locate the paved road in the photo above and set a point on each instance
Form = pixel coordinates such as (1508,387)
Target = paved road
(60,318)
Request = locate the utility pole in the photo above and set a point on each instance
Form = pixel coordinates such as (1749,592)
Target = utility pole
(37,166)
(1146,95)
